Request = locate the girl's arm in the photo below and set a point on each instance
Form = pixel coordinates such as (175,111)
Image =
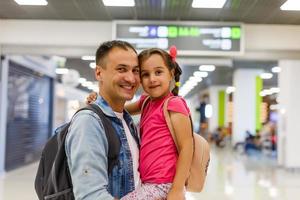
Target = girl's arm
(183,132)
(133,108)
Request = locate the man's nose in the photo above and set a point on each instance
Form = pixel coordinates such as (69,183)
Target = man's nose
(132,77)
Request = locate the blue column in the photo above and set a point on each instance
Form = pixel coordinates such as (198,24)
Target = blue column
(3,112)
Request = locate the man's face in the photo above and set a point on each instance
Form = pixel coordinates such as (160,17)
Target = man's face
(119,78)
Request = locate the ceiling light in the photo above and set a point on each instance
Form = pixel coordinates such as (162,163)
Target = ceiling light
(262,93)
(32,2)
(120,3)
(208,3)
(92,87)
(275,90)
(208,111)
(93,65)
(87,84)
(268,92)
(207,68)
(61,71)
(276,69)
(230,89)
(183,92)
(189,85)
(265,92)
(291,5)
(266,75)
(88,58)
(82,80)
(195,79)
(199,74)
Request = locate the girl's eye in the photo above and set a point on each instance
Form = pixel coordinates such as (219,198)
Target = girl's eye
(144,74)
(158,72)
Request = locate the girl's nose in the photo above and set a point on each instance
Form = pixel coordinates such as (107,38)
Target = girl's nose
(152,78)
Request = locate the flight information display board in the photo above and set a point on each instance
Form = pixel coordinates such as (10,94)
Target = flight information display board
(189,38)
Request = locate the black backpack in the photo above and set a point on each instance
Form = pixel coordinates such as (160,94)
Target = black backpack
(53,180)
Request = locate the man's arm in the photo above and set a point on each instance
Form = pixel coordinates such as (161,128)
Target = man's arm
(86,148)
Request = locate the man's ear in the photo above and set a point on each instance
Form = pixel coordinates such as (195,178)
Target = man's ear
(98,72)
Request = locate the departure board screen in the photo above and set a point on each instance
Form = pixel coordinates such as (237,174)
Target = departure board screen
(190,39)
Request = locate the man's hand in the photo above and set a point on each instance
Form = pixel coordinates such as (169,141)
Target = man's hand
(91,98)
(176,194)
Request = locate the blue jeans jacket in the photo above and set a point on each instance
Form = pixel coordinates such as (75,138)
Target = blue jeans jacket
(87,148)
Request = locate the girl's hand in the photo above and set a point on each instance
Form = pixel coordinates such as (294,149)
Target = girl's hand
(176,194)
(91,98)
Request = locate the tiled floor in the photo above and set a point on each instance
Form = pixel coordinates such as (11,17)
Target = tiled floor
(231,176)
(18,184)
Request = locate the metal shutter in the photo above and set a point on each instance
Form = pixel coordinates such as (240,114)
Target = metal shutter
(29,115)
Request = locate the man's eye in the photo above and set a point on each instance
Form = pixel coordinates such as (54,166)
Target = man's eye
(121,70)
(136,71)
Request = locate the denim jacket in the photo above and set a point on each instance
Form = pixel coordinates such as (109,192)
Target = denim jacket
(87,149)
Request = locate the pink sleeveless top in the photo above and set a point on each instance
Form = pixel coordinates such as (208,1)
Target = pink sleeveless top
(158,153)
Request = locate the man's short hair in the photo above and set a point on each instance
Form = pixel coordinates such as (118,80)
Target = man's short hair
(106,47)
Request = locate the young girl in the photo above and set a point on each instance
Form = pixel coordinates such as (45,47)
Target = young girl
(163,169)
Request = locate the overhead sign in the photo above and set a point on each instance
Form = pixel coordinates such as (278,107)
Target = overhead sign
(189,38)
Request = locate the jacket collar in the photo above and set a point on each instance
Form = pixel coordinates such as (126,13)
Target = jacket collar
(105,107)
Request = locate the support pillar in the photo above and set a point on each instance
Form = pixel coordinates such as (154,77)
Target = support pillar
(217,99)
(245,103)
(288,125)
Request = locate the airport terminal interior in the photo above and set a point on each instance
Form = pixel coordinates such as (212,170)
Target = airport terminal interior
(241,66)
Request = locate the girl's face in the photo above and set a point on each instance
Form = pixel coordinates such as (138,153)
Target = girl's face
(155,76)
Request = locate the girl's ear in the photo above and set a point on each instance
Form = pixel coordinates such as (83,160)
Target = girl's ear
(172,84)
(173,73)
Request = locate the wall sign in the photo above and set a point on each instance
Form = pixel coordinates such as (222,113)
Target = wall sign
(189,38)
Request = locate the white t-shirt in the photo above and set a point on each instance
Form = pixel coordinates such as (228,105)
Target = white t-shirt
(133,149)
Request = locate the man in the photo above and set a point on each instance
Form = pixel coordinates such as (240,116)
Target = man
(86,145)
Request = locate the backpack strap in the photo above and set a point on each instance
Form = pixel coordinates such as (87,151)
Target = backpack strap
(146,100)
(111,136)
(169,122)
(171,128)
